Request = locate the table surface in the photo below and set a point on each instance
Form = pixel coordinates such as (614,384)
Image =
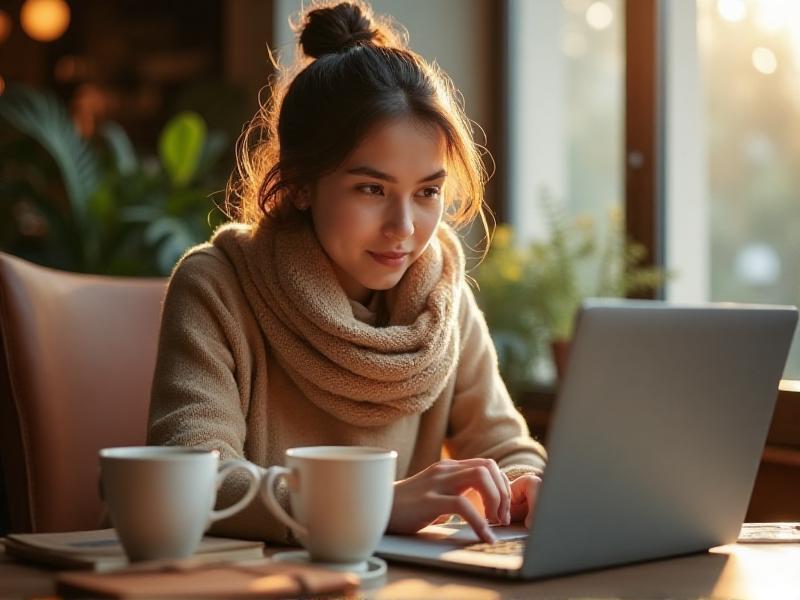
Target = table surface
(735,571)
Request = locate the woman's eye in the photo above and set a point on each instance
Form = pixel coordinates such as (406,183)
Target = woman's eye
(371,188)
(430,192)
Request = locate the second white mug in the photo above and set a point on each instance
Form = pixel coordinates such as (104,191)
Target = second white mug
(341,499)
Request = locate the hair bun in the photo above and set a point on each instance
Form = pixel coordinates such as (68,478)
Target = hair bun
(334,29)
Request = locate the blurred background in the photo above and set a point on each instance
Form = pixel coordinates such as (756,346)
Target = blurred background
(670,122)
(640,148)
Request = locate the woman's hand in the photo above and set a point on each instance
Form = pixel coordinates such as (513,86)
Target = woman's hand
(439,490)
(524,491)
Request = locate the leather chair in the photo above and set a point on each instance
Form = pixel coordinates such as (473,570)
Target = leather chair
(76,365)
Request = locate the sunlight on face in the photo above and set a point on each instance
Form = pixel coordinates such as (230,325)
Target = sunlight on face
(376,214)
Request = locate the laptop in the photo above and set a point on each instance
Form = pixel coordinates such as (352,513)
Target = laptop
(653,446)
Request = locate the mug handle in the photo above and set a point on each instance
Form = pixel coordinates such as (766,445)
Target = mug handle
(228,467)
(268,495)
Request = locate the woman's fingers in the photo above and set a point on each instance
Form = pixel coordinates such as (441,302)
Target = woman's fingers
(524,492)
(480,480)
(533,493)
(499,511)
(442,489)
(461,506)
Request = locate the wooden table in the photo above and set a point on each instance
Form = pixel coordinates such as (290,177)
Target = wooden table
(742,572)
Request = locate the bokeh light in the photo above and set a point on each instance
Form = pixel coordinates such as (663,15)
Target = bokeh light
(774,15)
(758,264)
(599,15)
(732,10)
(45,20)
(764,60)
(5,26)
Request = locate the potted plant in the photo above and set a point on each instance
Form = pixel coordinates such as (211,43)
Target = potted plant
(530,294)
(95,206)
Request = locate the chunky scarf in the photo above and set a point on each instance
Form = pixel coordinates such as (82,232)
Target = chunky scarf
(361,374)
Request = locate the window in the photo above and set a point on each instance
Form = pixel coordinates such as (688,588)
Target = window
(566,109)
(732,191)
(750,56)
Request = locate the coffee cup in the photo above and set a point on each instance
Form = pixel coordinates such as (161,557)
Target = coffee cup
(340,497)
(161,498)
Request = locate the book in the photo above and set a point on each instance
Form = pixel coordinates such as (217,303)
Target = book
(263,578)
(769,533)
(100,550)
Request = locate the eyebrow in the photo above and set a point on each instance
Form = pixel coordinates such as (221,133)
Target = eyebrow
(372,172)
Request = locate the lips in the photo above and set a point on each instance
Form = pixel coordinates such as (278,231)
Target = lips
(389,259)
(390,254)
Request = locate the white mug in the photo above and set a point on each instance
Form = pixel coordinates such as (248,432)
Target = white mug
(161,498)
(341,498)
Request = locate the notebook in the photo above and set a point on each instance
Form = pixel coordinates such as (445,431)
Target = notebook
(100,549)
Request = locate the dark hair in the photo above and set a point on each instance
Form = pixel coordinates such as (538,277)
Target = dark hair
(356,74)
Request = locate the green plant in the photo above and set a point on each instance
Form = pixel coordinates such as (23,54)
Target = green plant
(530,294)
(504,296)
(115,213)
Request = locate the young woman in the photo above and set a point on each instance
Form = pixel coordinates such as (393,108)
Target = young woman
(336,312)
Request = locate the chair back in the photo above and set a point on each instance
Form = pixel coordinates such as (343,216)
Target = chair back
(76,366)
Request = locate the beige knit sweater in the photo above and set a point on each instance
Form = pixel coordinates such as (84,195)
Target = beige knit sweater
(218,386)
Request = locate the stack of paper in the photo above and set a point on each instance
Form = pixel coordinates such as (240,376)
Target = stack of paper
(769,533)
(100,550)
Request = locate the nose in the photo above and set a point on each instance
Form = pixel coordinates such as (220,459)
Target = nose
(400,221)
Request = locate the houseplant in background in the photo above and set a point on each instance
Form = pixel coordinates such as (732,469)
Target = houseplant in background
(530,294)
(100,208)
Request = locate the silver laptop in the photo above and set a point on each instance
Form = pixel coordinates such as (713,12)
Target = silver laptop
(654,444)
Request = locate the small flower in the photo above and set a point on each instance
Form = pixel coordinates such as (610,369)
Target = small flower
(503,236)
(511,271)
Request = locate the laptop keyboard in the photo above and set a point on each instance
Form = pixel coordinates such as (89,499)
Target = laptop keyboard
(507,547)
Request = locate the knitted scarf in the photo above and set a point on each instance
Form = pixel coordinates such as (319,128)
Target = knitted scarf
(361,374)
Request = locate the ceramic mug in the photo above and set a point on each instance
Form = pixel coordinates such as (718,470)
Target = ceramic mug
(161,498)
(341,499)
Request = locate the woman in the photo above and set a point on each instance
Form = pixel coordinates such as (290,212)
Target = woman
(336,312)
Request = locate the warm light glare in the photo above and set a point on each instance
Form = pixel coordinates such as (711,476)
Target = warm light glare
(44,20)
(775,20)
(789,385)
(732,10)
(599,15)
(765,61)
(773,15)
(2,85)
(5,26)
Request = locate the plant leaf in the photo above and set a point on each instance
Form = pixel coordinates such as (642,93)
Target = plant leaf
(172,237)
(121,148)
(181,146)
(43,117)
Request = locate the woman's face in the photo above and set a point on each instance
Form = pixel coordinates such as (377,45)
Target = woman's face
(376,214)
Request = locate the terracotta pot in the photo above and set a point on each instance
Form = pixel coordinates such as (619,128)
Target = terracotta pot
(560,349)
